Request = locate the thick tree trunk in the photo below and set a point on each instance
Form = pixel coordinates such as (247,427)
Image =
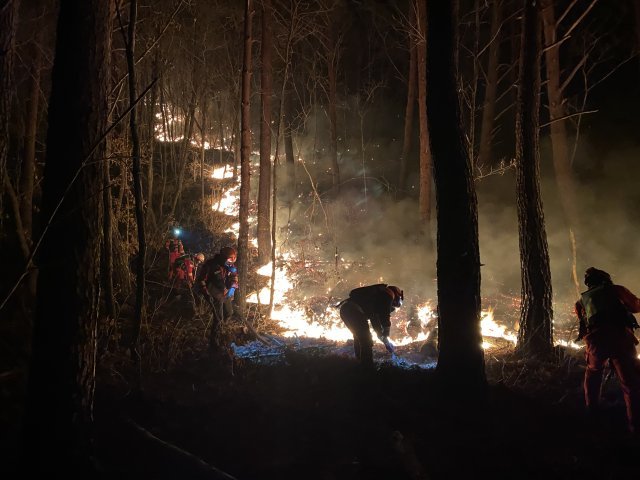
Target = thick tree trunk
(491,88)
(61,385)
(425,143)
(264,183)
(461,358)
(245,153)
(410,106)
(535,336)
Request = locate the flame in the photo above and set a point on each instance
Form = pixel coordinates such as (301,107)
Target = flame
(298,320)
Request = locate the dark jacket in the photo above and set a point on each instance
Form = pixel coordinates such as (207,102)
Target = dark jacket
(376,303)
(211,276)
(606,305)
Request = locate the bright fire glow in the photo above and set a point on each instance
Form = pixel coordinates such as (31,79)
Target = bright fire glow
(299,320)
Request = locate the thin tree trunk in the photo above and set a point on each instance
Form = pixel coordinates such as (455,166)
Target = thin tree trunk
(559,142)
(184,150)
(636,6)
(410,106)
(151,125)
(59,411)
(425,144)
(535,336)
(491,88)
(107,240)
(245,152)
(264,183)
(203,131)
(461,358)
(137,180)
(332,66)
(29,159)
(288,149)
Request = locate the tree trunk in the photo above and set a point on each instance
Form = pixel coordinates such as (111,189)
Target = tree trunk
(137,179)
(59,411)
(245,160)
(31,128)
(535,336)
(425,144)
(559,141)
(264,184)
(8,17)
(461,358)
(636,7)
(288,150)
(184,151)
(106,263)
(332,74)
(410,106)
(491,88)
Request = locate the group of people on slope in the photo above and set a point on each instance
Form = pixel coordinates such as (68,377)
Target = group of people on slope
(214,279)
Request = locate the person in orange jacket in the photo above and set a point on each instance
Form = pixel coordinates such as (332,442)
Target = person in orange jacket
(373,303)
(605,312)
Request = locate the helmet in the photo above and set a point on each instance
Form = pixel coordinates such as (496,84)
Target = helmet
(594,277)
(396,294)
(228,252)
(199,257)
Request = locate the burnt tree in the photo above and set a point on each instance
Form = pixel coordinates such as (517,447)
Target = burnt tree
(461,358)
(61,382)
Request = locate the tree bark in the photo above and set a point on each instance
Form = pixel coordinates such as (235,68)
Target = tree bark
(31,123)
(425,143)
(59,410)
(535,336)
(559,142)
(245,152)
(461,358)
(8,18)
(184,151)
(491,88)
(137,179)
(264,183)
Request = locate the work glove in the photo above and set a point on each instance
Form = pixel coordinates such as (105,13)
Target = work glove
(231,292)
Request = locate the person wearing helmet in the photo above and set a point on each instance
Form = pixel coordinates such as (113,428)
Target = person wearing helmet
(372,303)
(605,312)
(176,249)
(213,280)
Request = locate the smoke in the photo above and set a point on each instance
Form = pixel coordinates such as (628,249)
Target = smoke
(362,233)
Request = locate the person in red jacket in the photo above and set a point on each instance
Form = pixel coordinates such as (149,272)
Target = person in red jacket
(605,312)
(176,249)
(373,303)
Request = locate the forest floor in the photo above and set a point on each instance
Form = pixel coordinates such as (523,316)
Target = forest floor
(286,409)
(308,411)
(313,413)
